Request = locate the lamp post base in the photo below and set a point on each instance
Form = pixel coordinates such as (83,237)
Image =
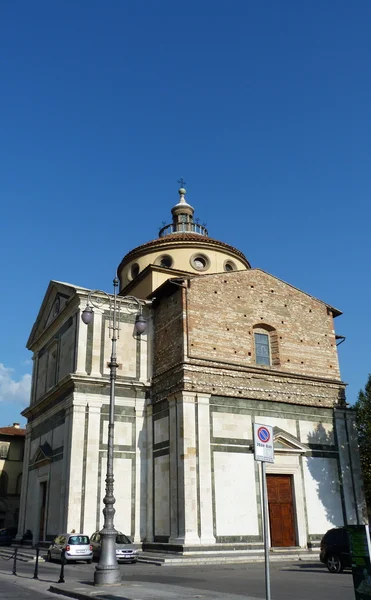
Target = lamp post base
(109,575)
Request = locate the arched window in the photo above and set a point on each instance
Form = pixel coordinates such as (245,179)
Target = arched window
(4,450)
(3,484)
(266,345)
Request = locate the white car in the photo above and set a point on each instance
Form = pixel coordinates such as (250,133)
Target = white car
(76,546)
(125,550)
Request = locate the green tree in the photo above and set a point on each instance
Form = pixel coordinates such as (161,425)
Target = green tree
(363,424)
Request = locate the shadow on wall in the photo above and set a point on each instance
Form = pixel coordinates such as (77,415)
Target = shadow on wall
(325,472)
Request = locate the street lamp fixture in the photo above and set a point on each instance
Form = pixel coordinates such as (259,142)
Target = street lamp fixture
(107,570)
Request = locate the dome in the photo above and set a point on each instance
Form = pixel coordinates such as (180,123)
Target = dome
(183,247)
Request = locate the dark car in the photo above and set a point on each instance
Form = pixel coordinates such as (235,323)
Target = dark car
(7,535)
(335,550)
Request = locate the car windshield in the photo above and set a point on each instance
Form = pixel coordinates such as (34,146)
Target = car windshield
(78,539)
(122,539)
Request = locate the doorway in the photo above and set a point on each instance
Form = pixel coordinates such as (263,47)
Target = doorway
(43,490)
(281,510)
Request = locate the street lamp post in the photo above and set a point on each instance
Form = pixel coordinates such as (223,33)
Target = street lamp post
(107,571)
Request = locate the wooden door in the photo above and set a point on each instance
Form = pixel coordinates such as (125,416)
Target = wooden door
(281,510)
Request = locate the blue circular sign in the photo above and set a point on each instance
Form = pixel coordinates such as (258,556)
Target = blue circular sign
(263,435)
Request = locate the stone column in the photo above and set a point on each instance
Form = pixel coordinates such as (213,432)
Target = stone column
(187,470)
(204,470)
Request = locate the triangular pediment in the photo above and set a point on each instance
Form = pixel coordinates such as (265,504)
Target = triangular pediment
(57,296)
(42,455)
(286,442)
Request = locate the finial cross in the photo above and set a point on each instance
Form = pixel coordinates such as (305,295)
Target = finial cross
(182,182)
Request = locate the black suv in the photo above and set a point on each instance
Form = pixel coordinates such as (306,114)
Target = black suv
(335,550)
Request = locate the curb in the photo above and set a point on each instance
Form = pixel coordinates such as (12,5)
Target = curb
(70,593)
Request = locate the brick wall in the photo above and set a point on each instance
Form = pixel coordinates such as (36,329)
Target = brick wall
(217,316)
(223,311)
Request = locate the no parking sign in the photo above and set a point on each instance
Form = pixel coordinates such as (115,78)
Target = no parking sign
(263,443)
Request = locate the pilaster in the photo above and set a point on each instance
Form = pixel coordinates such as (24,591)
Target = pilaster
(140,486)
(92,466)
(97,344)
(82,336)
(204,470)
(187,470)
(76,465)
(149,462)
(24,488)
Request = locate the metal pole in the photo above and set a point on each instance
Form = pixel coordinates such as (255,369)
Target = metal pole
(61,574)
(15,562)
(266,536)
(107,571)
(36,571)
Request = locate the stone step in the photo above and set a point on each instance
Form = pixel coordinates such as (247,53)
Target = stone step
(292,555)
(24,555)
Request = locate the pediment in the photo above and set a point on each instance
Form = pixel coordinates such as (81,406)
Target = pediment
(286,442)
(56,297)
(43,455)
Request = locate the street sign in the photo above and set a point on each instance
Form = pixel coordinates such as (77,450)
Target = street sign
(263,443)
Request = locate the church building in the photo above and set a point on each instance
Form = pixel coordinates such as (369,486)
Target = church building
(226,346)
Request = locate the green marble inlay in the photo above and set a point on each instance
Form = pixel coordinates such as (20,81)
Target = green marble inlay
(162,452)
(160,407)
(160,415)
(235,441)
(238,539)
(161,445)
(238,449)
(49,424)
(272,409)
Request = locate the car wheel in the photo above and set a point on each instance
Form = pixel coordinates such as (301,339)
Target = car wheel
(49,556)
(334,564)
(88,562)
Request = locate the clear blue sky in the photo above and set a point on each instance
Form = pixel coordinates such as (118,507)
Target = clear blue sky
(264,109)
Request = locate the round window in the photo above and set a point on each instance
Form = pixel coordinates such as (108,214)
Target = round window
(200,262)
(134,270)
(229,266)
(165,261)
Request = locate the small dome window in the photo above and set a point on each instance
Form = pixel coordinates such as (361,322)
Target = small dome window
(229,265)
(134,271)
(200,262)
(165,261)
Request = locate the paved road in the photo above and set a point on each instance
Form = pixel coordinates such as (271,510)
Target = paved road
(15,590)
(290,581)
